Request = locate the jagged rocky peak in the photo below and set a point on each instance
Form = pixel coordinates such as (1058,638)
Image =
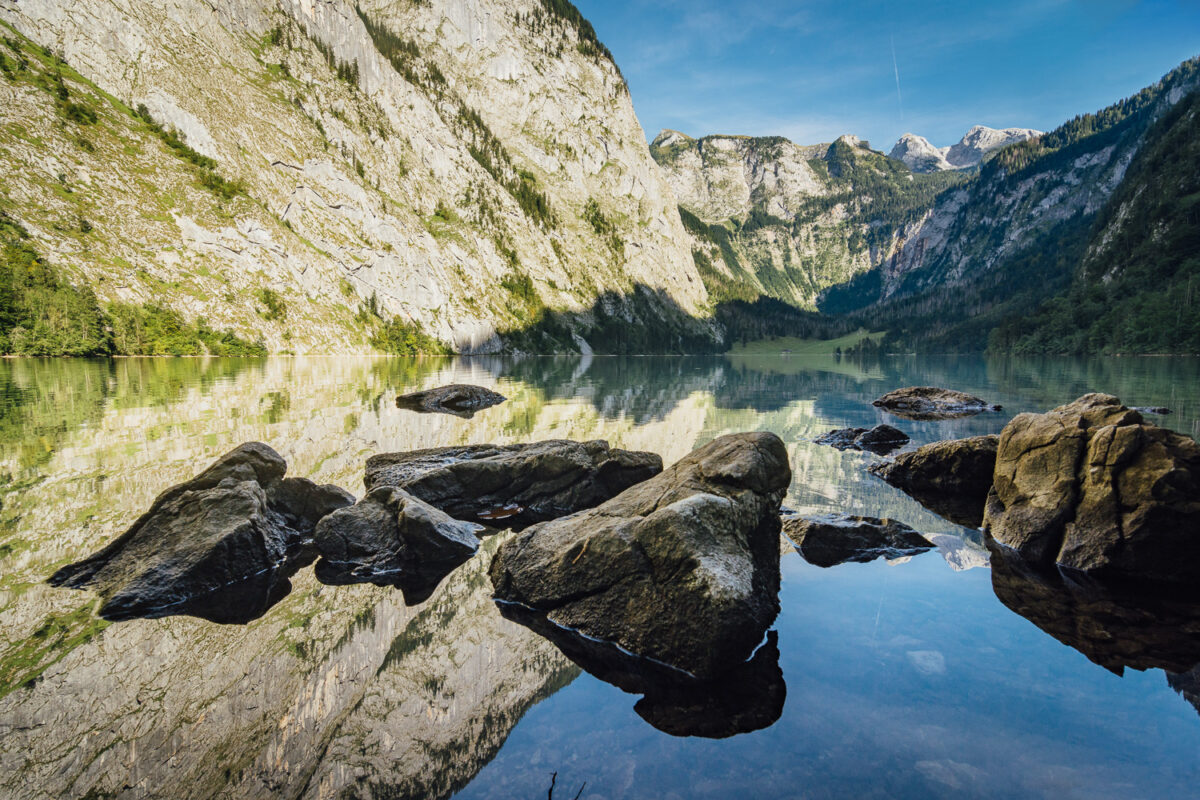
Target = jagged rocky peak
(982,140)
(921,156)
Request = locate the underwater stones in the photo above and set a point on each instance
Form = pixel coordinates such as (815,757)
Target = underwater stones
(834,539)
(518,484)
(1091,486)
(682,568)
(461,400)
(882,439)
(932,403)
(226,528)
(951,478)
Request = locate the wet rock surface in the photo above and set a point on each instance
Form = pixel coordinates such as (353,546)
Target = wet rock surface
(882,439)
(1092,487)
(1114,628)
(460,399)
(951,478)
(514,485)
(834,539)
(392,538)
(683,568)
(748,698)
(1158,411)
(239,526)
(932,403)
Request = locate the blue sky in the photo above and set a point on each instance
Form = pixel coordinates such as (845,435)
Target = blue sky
(812,70)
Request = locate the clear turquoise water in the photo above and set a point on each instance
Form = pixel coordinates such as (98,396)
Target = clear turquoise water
(903,679)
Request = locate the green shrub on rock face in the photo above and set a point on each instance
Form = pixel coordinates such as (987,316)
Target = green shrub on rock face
(399,338)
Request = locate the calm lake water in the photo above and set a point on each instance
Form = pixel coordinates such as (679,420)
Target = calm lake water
(903,680)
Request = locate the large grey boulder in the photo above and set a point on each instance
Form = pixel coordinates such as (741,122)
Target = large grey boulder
(951,478)
(683,568)
(833,539)
(392,538)
(1093,487)
(932,403)
(459,399)
(219,532)
(514,485)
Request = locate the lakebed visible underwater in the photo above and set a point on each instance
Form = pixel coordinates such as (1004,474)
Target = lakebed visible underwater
(903,679)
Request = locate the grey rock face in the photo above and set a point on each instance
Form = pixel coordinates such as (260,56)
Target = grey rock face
(931,403)
(514,484)
(461,400)
(950,478)
(392,538)
(881,439)
(839,538)
(1093,487)
(682,569)
(236,521)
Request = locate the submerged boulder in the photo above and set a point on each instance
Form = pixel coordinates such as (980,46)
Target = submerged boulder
(238,520)
(683,568)
(950,478)
(834,539)
(459,399)
(881,439)
(515,485)
(1093,487)
(392,538)
(932,403)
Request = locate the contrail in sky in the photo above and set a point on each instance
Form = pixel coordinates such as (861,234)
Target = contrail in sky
(896,67)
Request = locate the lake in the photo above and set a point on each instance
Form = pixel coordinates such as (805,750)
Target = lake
(908,679)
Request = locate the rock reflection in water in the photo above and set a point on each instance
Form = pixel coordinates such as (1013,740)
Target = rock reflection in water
(416,582)
(748,698)
(236,603)
(1113,629)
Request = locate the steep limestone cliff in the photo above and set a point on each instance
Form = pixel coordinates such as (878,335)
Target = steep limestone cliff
(465,162)
(770,217)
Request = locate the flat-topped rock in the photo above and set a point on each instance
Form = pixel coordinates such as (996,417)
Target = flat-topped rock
(882,439)
(1093,487)
(833,539)
(459,399)
(932,403)
(683,568)
(514,485)
(951,478)
(238,520)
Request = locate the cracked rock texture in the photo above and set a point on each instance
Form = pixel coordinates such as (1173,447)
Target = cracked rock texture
(1093,487)
(682,568)
(353,187)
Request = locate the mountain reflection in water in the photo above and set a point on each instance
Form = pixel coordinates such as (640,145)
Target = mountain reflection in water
(902,680)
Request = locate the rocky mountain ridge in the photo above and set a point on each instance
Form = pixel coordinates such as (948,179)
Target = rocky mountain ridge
(921,156)
(460,165)
(770,217)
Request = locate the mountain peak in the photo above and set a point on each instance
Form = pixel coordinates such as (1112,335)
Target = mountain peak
(921,156)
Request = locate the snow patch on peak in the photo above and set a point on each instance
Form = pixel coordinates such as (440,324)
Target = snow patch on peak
(921,156)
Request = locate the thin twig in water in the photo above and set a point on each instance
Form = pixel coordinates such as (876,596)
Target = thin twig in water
(553,778)
(580,792)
